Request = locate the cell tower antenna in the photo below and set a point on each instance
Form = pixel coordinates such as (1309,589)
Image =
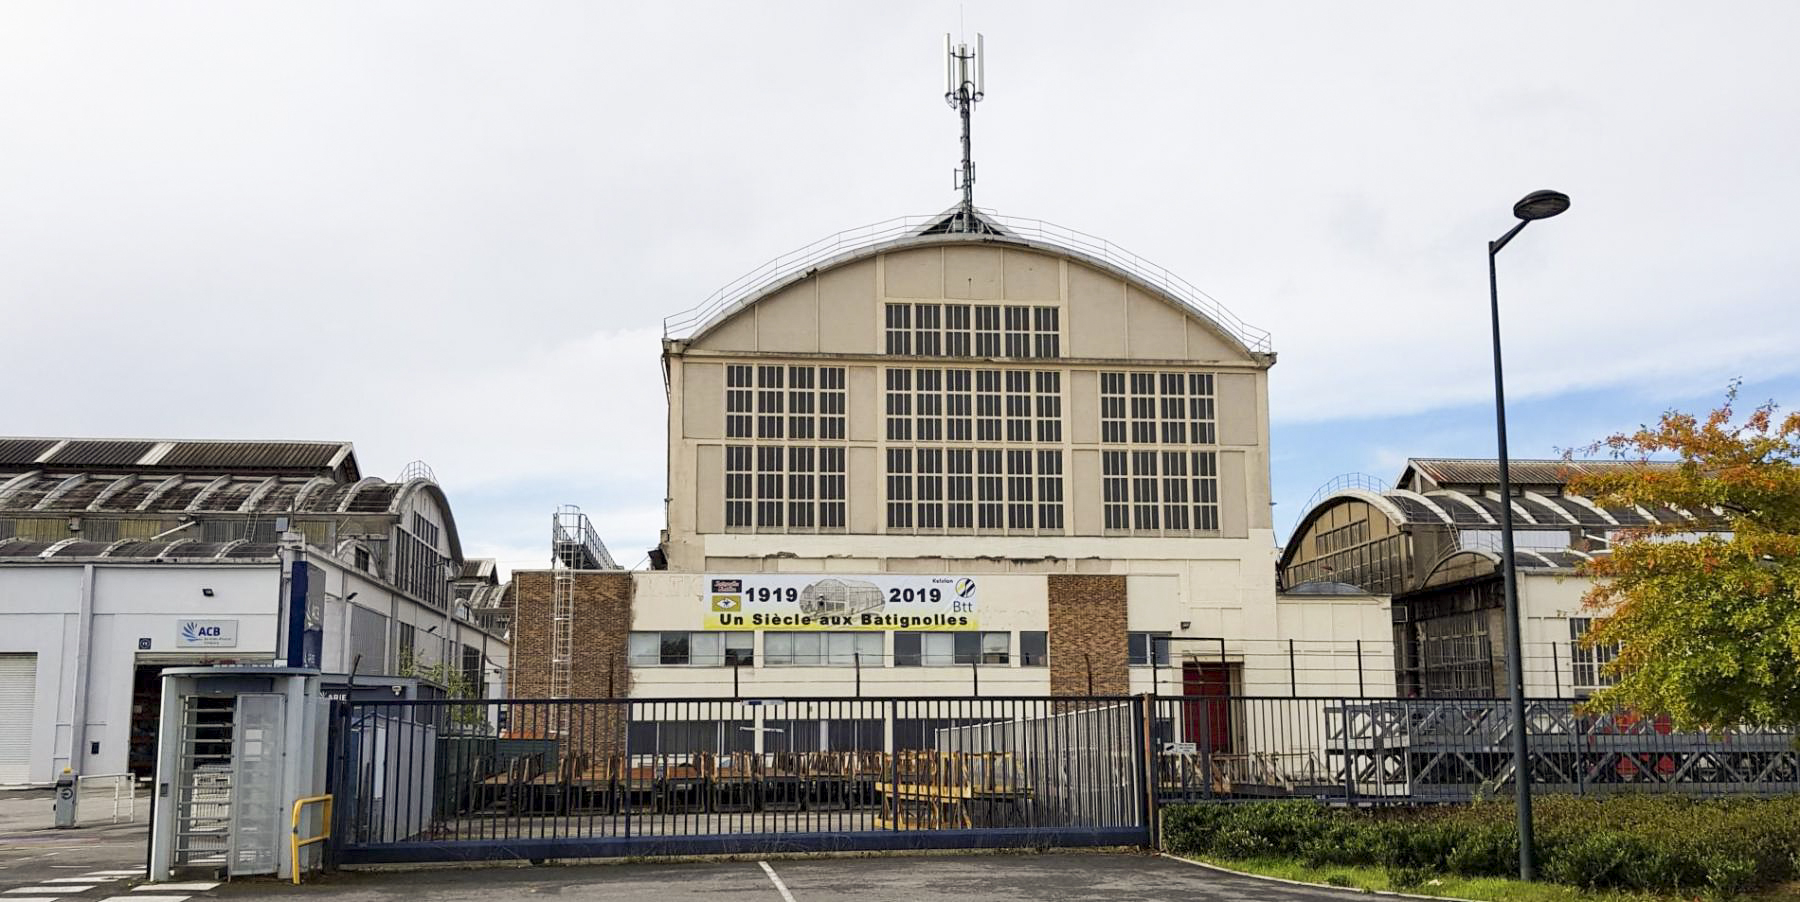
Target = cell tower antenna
(965,83)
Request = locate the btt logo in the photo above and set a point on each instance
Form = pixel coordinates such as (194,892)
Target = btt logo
(965,587)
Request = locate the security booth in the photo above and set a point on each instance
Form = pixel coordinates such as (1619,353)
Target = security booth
(238,747)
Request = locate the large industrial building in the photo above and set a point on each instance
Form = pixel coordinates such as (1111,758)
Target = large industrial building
(1432,544)
(121,557)
(961,454)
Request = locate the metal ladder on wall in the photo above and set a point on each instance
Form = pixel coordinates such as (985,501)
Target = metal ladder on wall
(566,527)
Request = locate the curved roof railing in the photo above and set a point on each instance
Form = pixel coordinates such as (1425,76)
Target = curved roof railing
(852,242)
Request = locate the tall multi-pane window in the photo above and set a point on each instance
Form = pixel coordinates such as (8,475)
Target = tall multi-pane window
(1157,483)
(934,485)
(777,478)
(1157,408)
(772,401)
(779,488)
(1151,491)
(1588,664)
(973,330)
(738,385)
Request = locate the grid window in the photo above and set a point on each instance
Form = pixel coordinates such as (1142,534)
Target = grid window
(1049,406)
(928,330)
(768,401)
(1588,665)
(1045,332)
(899,404)
(987,331)
(832,402)
(930,487)
(785,402)
(802,486)
(801,398)
(959,405)
(1175,490)
(959,488)
(899,329)
(1050,490)
(739,489)
(831,488)
(1018,331)
(990,493)
(1115,490)
(1112,408)
(784,488)
(956,330)
(768,485)
(928,405)
(1143,491)
(1018,489)
(987,405)
(738,386)
(1202,424)
(1151,408)
(1018,405)
(899,488)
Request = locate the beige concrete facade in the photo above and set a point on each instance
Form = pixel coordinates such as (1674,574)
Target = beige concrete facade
(1093,364)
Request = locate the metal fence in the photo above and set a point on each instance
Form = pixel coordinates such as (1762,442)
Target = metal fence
(536,779)
(1376,751)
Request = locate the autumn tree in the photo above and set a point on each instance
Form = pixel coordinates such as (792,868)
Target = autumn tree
(1707,623)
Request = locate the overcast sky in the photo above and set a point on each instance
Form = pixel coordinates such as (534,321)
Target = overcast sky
(450,231)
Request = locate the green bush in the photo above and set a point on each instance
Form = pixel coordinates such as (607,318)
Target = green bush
(1657,843)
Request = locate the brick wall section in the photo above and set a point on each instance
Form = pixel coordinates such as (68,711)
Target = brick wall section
(589,734)
(1087,624)
(602,625)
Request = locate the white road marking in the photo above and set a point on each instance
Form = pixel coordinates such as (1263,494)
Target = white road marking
(199,887)
(41,890)
(91,878)
(779,886)
(131,873)
(145,899)
(32,899)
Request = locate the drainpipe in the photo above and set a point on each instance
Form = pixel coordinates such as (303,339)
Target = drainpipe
(84,641)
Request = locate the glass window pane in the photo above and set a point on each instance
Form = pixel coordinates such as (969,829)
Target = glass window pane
(1034,648)
(907,652)
(778,648)
(706,649)
(674,648)
(940,649)
(740,648)
(646,649)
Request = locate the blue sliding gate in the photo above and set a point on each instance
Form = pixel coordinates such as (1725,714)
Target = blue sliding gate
(537,779)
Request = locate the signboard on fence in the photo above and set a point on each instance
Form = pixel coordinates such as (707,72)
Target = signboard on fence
(884,601)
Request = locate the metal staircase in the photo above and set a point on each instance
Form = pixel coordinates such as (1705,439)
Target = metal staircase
(574,546)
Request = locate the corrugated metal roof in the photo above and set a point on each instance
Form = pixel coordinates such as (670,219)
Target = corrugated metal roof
(269,458)
(262,456)
(100,453)
(1462,471)
(23,452)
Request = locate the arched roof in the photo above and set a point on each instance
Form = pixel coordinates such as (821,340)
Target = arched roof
(905,233)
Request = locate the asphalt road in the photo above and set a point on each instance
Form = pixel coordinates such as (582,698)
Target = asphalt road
(1025,877)
(30,851)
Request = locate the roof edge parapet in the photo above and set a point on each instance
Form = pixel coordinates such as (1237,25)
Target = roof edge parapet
(903,230)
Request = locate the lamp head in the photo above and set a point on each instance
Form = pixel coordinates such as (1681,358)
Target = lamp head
(1541,205)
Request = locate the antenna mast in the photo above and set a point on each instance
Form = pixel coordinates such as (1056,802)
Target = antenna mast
(965,82)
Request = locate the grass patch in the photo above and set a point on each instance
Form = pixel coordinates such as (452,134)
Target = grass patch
(1486,889)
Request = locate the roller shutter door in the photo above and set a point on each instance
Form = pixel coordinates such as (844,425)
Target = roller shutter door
(18,689)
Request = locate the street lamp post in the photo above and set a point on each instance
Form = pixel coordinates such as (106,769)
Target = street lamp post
(1536,205)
